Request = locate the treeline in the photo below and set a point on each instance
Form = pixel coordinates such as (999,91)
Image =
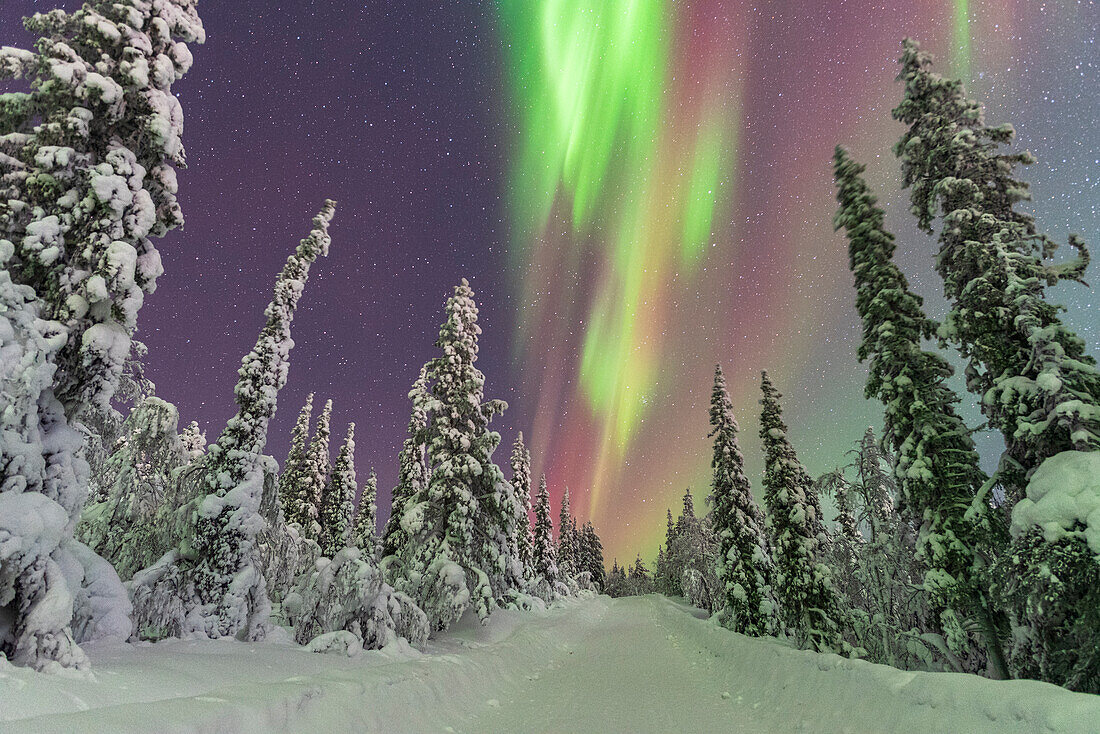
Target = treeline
(930,563)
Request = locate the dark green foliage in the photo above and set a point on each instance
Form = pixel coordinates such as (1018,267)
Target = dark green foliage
(744,564)
(803,583)
(937,471)
(1035,382)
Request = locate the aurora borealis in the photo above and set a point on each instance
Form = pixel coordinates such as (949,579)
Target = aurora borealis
(671,209)
(636,190)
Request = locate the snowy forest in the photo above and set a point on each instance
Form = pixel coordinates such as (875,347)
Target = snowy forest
(126,531)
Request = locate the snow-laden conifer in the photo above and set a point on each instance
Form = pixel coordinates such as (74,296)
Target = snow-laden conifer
(458,553)
(294,473)
(365,531)
(315,475)
(638,579)
(617,584)
(521,485)
(87,179)
(566,565)
(1036,384)
(413,473)
(806,595)
(338,501)
(692,558)
(213,585)
(594,555)
(937,470)
(544,554)
(744,561)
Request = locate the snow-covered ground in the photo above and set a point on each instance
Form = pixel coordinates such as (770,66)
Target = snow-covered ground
(636,664)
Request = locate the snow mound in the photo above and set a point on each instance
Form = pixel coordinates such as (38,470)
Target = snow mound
(1063,499)
(340,641)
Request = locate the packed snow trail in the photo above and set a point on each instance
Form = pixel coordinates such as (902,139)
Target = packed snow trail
(636,664)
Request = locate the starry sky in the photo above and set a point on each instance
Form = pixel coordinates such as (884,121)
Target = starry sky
(635,191)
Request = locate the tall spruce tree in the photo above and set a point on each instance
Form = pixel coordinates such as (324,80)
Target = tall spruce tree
(413,476)
(315,475)
(88,179)
(458,553)
(937,469)
(338,501)
(365,531)
(216,580)
(1036,384)
(595,555)
(745,567)
(638,580)
(803,583)
(293,475)
(544,555)
(521,485)
(566,561)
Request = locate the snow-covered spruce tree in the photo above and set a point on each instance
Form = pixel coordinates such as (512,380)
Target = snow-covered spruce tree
(365,532)
(86,180)
(1036,384)
(338,501)
(663,577)
(937,469)
(594,555)
(413,475)
(458,552)
(212,585)
(803,583)
(544,555)
(521,485)
(693,558)
(315,476)
(638,579)
(293,475)
(744,562)
(1035,381)
(617,584)
(566,566)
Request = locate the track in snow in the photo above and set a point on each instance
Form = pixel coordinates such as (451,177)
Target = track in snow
(637,664)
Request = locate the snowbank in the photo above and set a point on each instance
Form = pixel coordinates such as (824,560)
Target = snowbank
(635,664)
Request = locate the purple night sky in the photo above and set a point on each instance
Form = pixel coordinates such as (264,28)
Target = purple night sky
(411,116)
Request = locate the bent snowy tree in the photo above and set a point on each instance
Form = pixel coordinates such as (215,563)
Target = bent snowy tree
(1035,382)
(937,469)
(87,178)
(212,584)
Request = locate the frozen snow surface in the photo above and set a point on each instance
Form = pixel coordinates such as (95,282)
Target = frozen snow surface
(593,664)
